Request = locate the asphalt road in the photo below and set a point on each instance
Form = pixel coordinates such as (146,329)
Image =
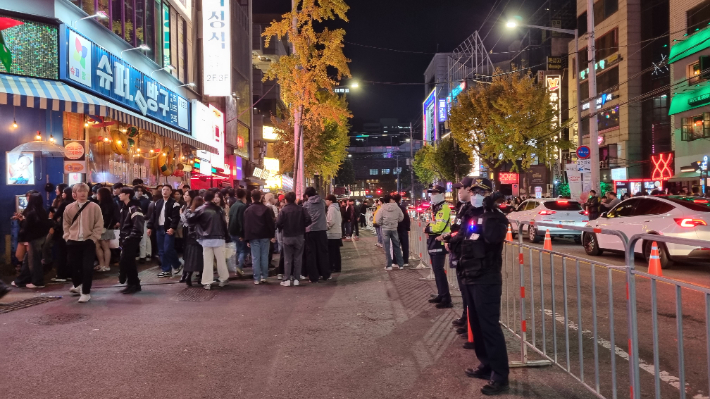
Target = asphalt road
(573,293)
(367,333)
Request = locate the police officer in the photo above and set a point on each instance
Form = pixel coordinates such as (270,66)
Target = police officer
(464,214)
(436,230)
(480,263)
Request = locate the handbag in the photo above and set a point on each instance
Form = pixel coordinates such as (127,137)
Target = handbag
(114,243)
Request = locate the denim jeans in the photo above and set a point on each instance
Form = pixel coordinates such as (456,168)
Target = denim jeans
(378,230)
(32,270)
(260,257)
(166,250)
(348,229)
(391,235)
(241,253)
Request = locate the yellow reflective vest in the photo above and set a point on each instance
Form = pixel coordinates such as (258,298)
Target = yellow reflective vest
(441,223)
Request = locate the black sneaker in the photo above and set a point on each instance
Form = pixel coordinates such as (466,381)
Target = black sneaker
(436,299)
(459,322)
(461,330)
(478,373)
(141,260)
(131,289)
(469,345)
(164,274)
(121,278)
(495,388)
(444,305)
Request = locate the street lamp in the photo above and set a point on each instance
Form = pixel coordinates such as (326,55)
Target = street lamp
(167,68)
(99,15)
(142,47)
(191,84)
(354,85)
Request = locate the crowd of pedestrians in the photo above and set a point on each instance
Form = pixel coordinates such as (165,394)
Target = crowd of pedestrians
(190,232)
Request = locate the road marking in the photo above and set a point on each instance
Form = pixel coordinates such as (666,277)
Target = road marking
(650,368)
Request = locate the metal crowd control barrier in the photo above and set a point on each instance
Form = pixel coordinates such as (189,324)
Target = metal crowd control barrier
(607,308)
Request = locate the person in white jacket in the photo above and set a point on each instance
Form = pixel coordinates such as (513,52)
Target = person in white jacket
(335,233)
(388,217)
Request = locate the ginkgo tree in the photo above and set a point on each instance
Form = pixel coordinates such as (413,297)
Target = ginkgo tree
(316,65)
(508,120)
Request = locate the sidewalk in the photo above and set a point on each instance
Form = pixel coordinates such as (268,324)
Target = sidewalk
(367,333)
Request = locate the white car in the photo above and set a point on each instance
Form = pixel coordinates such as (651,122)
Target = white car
(672,216)
(549,210)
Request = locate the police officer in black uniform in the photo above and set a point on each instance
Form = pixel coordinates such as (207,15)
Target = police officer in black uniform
(480,263)
(464,213)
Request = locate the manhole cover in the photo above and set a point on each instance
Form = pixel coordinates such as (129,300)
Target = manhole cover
(26,303)
(195,295)
(56,319)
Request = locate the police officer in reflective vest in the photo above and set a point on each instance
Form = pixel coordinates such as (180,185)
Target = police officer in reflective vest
(437,229)
(481,262)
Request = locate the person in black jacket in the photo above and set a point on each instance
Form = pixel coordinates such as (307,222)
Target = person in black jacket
(63,272)
(145,250)
(210,224)
(354,219)
(403,230)
(259,229)
(164,222)
(481,263)
(34,227)
(292,223)
(131,221)
(109,211)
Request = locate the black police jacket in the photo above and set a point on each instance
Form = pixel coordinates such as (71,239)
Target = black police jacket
(466,217)
(482,259)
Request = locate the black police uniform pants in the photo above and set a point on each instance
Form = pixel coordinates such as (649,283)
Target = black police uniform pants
(488,339)
(442,285)
(127,263)
(464,297)
(404,243)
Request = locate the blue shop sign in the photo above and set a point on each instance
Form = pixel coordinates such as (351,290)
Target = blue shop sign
(85,64)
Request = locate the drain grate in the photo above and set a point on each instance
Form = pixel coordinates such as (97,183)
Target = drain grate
(26,303)
(195,295)
(57,319)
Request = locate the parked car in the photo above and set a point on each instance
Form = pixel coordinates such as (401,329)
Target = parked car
(671,216)
(548,210)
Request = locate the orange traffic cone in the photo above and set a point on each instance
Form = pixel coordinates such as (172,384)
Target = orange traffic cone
(470,332)
(654,264)
(509,235)
(548,241)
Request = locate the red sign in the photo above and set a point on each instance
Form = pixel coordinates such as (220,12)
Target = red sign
(508,178)
(240,142)
(662,166)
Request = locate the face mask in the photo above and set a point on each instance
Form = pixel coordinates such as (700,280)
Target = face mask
(477,200)
(436,198)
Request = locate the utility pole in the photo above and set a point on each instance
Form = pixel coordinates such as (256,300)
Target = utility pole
(411,163)
(298,175)
(593,133)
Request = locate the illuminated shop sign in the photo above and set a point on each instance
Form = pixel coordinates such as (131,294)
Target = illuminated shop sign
(601,65)
(662,166)
(85,63)
(603,99)
(442,110)
(431,124)
(217,50)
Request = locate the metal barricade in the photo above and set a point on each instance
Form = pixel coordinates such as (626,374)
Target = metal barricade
(580,309)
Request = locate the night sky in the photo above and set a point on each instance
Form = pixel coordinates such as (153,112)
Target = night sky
(413,25)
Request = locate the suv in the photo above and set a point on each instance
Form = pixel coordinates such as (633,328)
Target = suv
(549,210)
(672,216)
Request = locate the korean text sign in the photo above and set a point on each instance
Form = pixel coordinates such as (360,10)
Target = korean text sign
(107,75)
(217,45)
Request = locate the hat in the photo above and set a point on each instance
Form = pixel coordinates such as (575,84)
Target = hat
(436,189)
(465,182)
(281,197)
(482,183)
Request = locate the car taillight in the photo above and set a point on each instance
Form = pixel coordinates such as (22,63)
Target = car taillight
(700,201)
(563,202)
(690,222)
(546,213)
(584,212)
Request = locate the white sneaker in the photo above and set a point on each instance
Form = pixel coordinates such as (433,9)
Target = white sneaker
(389,269)
(84,298)
(178,271)
(30,285)
(256,282)
(75,290)
(58,280)
(405,265)
(240,272)
(303,278)
(223,283)
(280,276)
(263,280)
(207,286)
(286,283)
(296,283)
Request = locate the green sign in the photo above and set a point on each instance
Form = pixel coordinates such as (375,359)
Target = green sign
(699,100)
(681,102)
(692,44)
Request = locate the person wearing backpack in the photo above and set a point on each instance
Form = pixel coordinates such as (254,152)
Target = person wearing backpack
(83,225)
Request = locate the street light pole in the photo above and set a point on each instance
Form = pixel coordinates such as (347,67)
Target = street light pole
(593,133)
(411,163)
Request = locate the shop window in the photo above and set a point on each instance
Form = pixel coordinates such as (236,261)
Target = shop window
(693,73)
(606,82)
(116,17)
(105,6)
(698,17)
(603,9)
(605,45)
(608,119)
(374,172)
(87,6)
(386,171)
(695,127)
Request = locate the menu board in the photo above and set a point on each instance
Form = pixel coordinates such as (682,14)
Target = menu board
(73,126)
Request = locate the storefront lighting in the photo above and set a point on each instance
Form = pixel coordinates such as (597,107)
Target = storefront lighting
(38,137)
(167,68)
(188,84)
(142,47)
(164,154)
(119,142)
(51,138)
(105,139)
(99,15)
(151,151)
(14,123)
(138,149)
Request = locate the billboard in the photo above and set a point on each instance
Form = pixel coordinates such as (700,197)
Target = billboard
(431,123)
(217,56)
(208,128)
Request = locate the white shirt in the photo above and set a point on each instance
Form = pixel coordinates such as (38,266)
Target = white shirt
(161,218)
(81,229)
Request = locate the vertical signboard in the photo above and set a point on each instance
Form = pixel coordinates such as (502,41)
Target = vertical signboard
(554,88)
(80,50)
(166,35)
(208,128)
(431,125)
(216,44)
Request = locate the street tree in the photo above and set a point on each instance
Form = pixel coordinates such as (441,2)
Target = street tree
(511,120)
(444,161)
(316,64)
(346,174)
(424,166)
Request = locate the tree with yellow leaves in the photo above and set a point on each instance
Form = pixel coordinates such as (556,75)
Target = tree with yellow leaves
(314,68)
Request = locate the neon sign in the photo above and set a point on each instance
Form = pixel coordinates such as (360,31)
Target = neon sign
(431,123)
(662,166)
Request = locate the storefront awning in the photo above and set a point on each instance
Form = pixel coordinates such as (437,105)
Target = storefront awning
(57,96)
(682,102)
(685,176)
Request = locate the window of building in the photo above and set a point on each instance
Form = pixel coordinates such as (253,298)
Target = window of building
(374,172)
(605,82)
(693,73)
(698,17)
(608,119)
(695,127)
(605,46)
(151,22)
(386,171)
(603,9)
